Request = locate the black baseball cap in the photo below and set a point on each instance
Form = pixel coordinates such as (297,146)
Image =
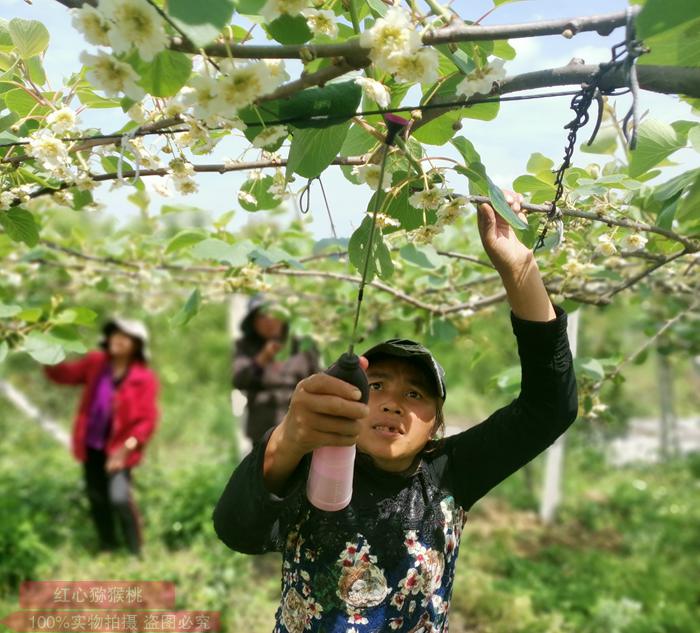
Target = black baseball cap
(405,348)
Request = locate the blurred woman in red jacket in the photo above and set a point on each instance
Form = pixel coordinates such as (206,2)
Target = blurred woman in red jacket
(117,415)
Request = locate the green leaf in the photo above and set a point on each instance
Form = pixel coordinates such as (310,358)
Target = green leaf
(539,190)
(439,130)
(357,142)
(165,74)
(655,141)
(19,224)
(423,256)
(6,44)
(694,138)
(44,348)
(314,149)
(23,104)
(671,30)
(259,188)
(30,37)
(184,239)
(36,71)
(605,142)
(590,367)
(379,262)
(377,7)
(92,100)
(498,200)
(249,7)
(539,162)
(689,205)
(233,254)
(30,315)
(288,29)
(8,311)
(188,311)
(201,21)
(3,351)
(78,316)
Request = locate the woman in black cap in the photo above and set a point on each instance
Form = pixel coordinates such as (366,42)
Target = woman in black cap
(116,418)
(386,562)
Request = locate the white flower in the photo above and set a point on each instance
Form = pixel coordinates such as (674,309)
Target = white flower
(421,67)
(321,22)
(270,136)
(369,174)
(84,181)
(384,221)
(245,196)
(48,150)
(180,168)
(186,185)
(605,245)
(451,210)
(426,234)
(109,74)
(200,94)
(427,198)
(136,113)
(240,87)
(575,268)
(375,90)
(135,23)
(275,8)
(61,121)
(91,23)
(633,242)
(481,81)
(6,199)
(391,38)
(277,72)
(63,197)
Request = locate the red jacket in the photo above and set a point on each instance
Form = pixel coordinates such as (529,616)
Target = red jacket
(135,408)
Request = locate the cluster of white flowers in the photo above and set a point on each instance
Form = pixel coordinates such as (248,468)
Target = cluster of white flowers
(61,121)
(111,75)
(123,25)
(50,151)
(632,242)
(369,174)
(481,81)
(321,22)
(395,47)
(375,90)
(275,8)
(427,199)
(7,198)
(182,172)
(270,135)
(451,210)
(426,234)
(576,268)
(247,197)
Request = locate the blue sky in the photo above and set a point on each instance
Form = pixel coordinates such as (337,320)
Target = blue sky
(505,144)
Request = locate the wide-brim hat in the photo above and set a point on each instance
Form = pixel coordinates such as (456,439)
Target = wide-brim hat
(132,327)
(406,348)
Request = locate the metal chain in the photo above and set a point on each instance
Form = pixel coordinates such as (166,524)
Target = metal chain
(624,55)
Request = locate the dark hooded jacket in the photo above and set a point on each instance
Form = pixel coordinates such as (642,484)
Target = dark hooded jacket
(268,389)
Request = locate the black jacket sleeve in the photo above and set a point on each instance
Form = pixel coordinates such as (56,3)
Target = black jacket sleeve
(247,374)
(484,455)
(250,519)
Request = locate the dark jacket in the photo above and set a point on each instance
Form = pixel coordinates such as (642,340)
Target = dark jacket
(267,389)
(388,559)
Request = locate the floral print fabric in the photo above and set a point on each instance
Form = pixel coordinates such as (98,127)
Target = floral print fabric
(349,591)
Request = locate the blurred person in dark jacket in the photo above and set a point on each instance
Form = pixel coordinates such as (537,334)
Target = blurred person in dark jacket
(266,380)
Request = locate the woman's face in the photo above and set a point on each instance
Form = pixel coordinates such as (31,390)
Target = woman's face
(121,345)
(268,326)
(401,417)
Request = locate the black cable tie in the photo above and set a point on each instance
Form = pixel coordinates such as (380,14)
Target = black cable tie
(598,96)
(305,204)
